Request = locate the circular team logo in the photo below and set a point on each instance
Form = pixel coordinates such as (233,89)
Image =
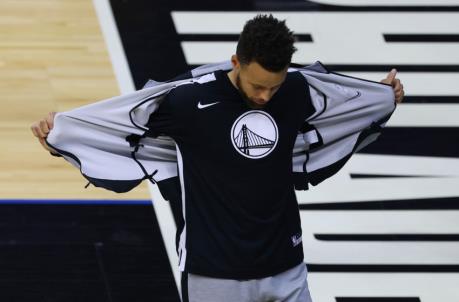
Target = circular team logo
(254,134)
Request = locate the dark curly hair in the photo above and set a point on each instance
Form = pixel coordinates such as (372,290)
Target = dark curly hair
(267,41)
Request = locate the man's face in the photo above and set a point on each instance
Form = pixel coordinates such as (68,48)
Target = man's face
(256,84)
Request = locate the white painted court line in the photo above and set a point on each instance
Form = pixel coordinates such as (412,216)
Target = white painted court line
(115,48)
(123,75)
(168,228)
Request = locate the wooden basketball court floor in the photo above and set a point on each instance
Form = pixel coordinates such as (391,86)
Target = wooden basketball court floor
(53,245)
(52,57)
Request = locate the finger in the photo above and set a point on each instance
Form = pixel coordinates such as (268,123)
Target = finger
(398,85)
(401,90)
(34,129)
(50,120)
(38,131)
(391,76)
(43,143)
(399,97)
(402,96)
(44,127)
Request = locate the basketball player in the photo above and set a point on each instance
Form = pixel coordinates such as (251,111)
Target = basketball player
(240,240)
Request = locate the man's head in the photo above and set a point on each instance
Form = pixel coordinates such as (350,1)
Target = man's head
(263,54)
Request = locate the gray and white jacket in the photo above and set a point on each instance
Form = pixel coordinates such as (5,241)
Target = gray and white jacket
(106,140)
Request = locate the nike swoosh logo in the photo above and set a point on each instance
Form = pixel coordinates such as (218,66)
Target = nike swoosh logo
(201,106)
(354,97)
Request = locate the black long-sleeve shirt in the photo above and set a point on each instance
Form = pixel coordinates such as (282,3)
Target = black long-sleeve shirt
(235,167)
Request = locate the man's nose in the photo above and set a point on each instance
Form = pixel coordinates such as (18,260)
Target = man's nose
(265,95)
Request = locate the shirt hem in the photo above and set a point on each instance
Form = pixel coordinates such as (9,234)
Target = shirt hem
(247,274)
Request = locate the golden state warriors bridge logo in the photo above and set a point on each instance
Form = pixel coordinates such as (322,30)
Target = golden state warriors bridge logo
(254,134)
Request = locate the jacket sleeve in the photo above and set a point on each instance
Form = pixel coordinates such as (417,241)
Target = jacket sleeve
(116,143)
(106,141)
(349,114)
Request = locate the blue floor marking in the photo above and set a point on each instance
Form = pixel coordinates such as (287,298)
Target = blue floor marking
(76,201)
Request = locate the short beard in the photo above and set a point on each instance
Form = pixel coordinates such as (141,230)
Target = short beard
(244,96)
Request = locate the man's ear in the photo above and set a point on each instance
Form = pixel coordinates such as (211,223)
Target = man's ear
(235,62)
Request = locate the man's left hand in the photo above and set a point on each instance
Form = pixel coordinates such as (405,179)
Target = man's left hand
(396,85)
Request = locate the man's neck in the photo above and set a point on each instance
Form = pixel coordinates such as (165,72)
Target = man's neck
(232,76)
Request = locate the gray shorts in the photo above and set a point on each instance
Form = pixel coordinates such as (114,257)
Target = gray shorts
(288,286)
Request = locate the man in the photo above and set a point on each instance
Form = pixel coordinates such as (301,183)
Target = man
(235,133)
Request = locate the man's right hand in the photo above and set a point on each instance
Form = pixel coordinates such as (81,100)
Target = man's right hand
(41,128)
